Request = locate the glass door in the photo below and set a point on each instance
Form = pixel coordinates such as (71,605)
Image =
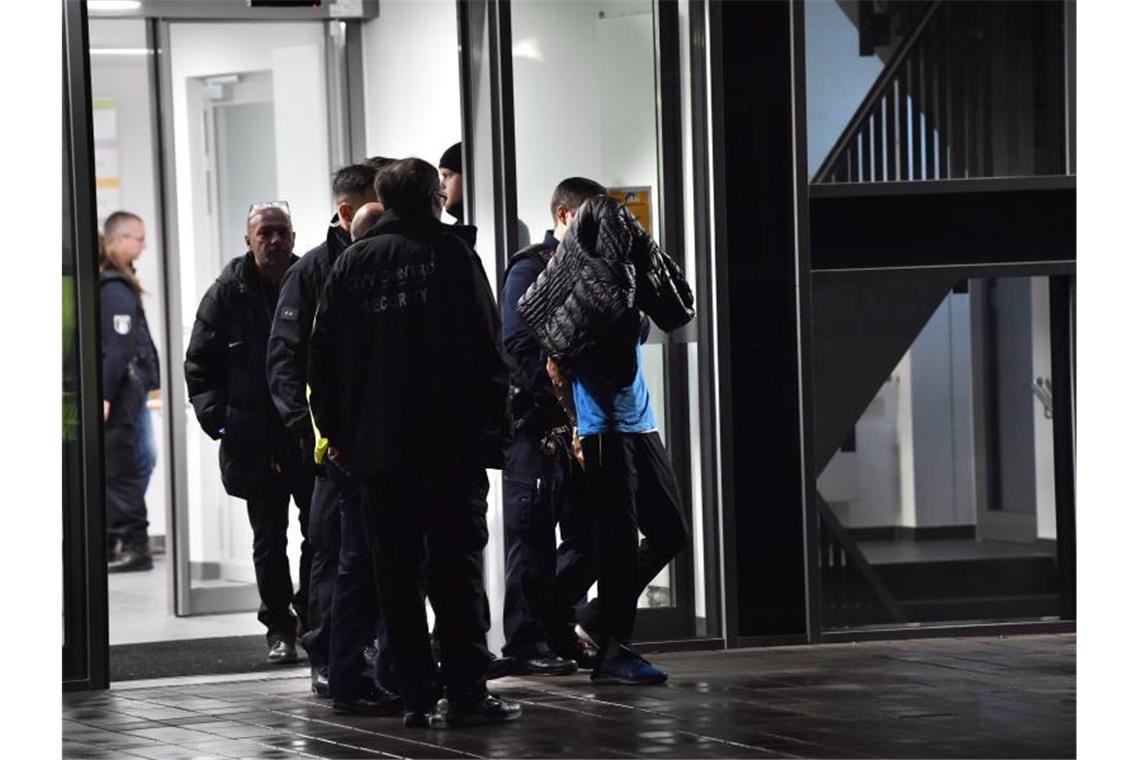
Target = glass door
(588,102)
(248,118)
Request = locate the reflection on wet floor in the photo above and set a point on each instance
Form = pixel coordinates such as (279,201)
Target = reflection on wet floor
(966,697)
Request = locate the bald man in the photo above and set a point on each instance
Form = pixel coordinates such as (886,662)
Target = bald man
(366,216)
(225,378)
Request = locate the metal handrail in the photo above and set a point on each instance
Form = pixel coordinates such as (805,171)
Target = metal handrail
(874,95)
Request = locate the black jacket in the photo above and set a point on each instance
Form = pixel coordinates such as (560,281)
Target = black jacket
(225,377)
(130,360)
(534,408)
(286,362)
(605,268)
(404,362)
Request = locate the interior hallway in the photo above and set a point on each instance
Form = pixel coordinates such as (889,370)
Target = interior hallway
(964,697)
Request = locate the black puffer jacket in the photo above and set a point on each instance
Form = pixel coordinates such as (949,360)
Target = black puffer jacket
(605,266)
(225,378)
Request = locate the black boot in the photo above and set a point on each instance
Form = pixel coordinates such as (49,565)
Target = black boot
(134,558)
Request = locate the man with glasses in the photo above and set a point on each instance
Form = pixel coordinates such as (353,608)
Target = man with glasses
(260,461)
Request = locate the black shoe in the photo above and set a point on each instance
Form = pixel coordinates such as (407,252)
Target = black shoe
(131,561)
(544,664)
(319,677)
(501,667)
(379,702)
(583,655)
(282,651)
(486,710)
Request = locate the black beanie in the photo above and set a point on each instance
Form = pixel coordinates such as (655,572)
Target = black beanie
(452,159)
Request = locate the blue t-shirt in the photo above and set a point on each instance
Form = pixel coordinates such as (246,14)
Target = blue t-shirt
(605,409)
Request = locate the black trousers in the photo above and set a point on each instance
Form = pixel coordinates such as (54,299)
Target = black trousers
(542,583)
(356,616)
(441,512)
(125,471)
(631,487)
(269,517)
(324,540)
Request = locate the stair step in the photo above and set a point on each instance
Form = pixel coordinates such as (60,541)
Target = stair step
(982,608)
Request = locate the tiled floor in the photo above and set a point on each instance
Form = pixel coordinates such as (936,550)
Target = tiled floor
(967,697)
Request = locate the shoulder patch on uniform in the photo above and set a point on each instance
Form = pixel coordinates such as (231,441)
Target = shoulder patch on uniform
(288,312)
(121,323)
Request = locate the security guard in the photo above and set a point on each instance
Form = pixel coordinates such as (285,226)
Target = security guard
(286,373)
(130,371)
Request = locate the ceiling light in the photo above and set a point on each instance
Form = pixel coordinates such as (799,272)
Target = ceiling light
(108,6)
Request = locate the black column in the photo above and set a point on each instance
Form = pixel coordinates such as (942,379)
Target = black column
(762,230)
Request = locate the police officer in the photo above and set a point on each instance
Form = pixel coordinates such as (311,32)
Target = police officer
(260,460)
(409,384)
(540,478)
(286,368)
(130,371)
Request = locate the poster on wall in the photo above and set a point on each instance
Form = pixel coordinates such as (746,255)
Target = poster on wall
(104,129)
(637,200)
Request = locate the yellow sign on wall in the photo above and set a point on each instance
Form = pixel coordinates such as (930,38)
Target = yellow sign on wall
(638,200)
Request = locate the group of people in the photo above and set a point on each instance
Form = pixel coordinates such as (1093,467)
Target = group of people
(374,381)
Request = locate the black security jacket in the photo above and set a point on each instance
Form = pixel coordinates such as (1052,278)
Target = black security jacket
(404,362)
(129,355)
(286,362)
(225,377)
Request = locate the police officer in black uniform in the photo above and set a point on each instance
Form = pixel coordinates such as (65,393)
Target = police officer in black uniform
(287,374)
(130,371)
(542,480)
(260,460)
(286,361)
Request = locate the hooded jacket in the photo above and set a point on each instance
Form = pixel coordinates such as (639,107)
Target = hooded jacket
(404,361)
(225,377)
(605,267)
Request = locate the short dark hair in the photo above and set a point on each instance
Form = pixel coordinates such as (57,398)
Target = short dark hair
(116,221)
(572,192)
(353,181)
(378,162)
(408,186)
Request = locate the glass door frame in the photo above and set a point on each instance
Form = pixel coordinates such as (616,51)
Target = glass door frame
(85,629)
(345,93)
(487,94)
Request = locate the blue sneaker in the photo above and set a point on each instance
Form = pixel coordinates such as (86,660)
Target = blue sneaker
(628,668)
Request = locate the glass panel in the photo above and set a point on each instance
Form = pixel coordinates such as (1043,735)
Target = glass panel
(938,504)
(586,104)
(123,118)
(924,91)
(250,125)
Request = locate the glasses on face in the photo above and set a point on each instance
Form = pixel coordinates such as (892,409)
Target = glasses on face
(256,207)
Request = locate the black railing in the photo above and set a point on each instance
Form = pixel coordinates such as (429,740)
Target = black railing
(852,592)
(974,90)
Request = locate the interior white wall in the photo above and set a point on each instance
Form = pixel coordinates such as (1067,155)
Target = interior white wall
(836,77)
(411,79)
(913,461)
(1042,427)
(219,528)
(585,99)
(124,79)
